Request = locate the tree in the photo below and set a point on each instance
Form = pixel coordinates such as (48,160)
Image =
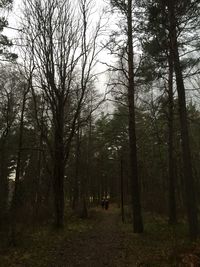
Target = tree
(170,22)
(15,199)
(158,54)
(126,7)
(64,58)
(190,193)
(5,43)
(9,100)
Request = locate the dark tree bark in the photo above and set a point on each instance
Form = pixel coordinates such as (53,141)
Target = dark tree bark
(37,193)
(8,105)
(59,164)
(122,187)
(59,47)
(136,202)
(171,172)
(15,198)
(89,158)
(3,182)
(190,194)
(76,186)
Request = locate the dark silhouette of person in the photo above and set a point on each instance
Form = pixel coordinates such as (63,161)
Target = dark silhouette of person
(103,203)
(106,204)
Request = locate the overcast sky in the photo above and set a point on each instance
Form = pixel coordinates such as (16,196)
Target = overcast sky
(14,15)
(14,19)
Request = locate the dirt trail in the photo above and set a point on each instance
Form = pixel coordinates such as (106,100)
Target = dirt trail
(98,247)
(100,241)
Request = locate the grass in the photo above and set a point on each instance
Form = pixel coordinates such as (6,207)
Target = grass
(37,246)
(160,245)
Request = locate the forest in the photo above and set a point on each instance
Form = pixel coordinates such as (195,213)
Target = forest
(99,133)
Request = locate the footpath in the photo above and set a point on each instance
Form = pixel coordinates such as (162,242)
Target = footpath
(103,241)
(102,245)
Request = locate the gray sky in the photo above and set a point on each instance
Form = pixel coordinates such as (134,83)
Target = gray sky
(14,20)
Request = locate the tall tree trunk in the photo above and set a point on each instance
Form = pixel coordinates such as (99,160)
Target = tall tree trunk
(15,198)
(89,159)
(76,187)
(59,165)
(122,187)
(190,195)
(3,182)
(37,195)
(136,202)
(171,172)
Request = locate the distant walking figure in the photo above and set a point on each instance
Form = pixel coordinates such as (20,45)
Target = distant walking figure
(106,204)
(103,203)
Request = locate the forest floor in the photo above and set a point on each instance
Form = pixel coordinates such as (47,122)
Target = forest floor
(102,240)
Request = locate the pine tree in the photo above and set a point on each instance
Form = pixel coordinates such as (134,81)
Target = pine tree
(126,7)
(5,43)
